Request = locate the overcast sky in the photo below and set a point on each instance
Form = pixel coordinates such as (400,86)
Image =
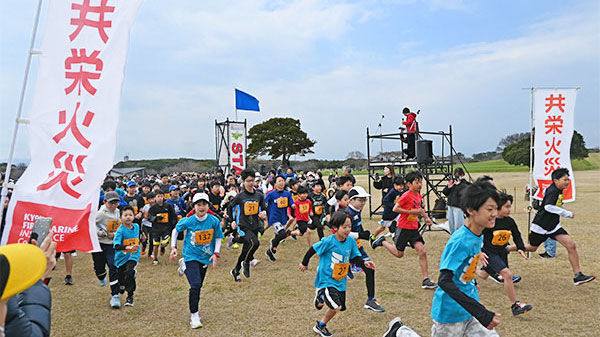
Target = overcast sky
(338,66)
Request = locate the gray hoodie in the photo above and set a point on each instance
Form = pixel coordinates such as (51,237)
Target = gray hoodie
(107,222)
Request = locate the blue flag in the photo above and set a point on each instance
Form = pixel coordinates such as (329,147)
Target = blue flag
(244,101)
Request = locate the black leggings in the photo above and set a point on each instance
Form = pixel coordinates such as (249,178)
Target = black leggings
(370,279)
(282,234)
(251,244)
(126,275)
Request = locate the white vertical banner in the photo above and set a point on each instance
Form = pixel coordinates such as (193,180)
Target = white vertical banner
(554,116)
(237,147)
(73,120)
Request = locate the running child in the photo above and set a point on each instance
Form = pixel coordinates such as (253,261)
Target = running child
(127,253)
(147,226)
(389,217)
(546,224)
(318,200)
(163,219)
(407,232)
(495,242)
(201,247)
(336,252)
(456,310)
(278,201)
(303,212)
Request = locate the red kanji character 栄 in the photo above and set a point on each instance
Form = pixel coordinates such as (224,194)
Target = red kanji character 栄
(85,8)
(72,125)
(553,146)
(559,102)
(551,164)
(62,178)
(81,77)
(553,124)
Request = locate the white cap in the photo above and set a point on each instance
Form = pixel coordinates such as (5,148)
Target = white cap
(358,192)
(200,196)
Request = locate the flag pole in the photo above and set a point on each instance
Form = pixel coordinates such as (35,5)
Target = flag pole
(18,120)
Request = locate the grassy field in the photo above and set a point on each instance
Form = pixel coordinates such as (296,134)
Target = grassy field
(277,299)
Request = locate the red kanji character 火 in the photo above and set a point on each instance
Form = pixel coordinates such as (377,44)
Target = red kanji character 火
(84,9)
(560,105)
(62,119)
(82,77)
(62,178)
(553,147)
(553,124)
(551,164)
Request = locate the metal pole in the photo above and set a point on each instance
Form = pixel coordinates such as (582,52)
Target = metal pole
(11,152)
(369,174)
(530,208)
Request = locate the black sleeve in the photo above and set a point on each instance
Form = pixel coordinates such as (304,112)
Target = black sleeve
(309,253)
(358,261)
(473,307)
(377,184)
(517,236)
(446,190)
(262,204)
(232,203)
(172,216)
(120,247)
(364,235)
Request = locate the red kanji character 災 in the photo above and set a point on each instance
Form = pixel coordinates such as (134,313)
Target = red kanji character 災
(72,125)
(551,164)
(62,178)
(559,102)
(553,146)
(81,77)
(85,8)
(553,124)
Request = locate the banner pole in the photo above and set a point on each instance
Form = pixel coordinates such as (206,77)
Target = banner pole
(18,120)
(529,207)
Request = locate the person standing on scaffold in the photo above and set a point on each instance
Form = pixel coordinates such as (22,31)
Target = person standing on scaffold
(410,126)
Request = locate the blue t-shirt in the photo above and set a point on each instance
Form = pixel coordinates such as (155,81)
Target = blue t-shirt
(389,201)
(460,257)
(334,261)
(178,205)
(125,236)
(200,236)
(356,219)
(277,206)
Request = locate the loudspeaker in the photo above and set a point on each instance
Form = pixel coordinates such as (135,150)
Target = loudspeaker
(424,151)
(262,169)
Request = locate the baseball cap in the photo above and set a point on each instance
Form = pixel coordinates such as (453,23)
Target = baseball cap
(200,196)
(21,265)
(112,195)
(131,183)
(173,188)
(183,186)
(358,192)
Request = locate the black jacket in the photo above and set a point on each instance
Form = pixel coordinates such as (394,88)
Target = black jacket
(453,193)
(385,184)
(28,313)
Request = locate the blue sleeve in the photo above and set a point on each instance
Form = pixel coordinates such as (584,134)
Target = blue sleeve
(290,199)
(354,252)
(321,247)
(453,256)
(388,197)
(279,172)
(182,224)
(218,232)
(118,239)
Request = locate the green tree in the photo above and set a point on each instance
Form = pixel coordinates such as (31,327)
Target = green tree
(518,153)
(279,137)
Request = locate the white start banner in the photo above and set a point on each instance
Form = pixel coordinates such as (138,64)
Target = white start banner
(73,121)
(554,118)
(237,144)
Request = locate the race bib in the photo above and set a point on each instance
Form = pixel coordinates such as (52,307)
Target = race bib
(203,237)
(113,225)
(167,196)
(318,210)
(251,208)
(469,271)
(304,208)
(135,210)
(359,243)
(282,202)
(131,242)
(295,197)
(145,199)
(412,217)
(216,206)
(501,237)
(340,270)
(162,217)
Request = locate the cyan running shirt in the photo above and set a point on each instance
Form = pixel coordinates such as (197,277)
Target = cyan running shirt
(127,237)
(334,261)
(200,236)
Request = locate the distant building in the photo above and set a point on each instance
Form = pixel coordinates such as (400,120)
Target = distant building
(127,171)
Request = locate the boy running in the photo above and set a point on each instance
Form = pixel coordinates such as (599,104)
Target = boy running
(318,200)
(163,218)
(388,219)
(303,212)
(336,252)
(278,201)
(407,232)
(546,224)
(201,247)
(127,253)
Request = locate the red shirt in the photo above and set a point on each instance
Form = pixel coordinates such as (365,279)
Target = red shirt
(411,122)
(409,200)
(302,211)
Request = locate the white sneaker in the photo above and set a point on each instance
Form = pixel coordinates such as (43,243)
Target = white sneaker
(181,268)
(254,262)
(195,322)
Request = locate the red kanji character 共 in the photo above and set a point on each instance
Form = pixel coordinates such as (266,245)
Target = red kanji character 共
(559,102)
(553,124)
(62,178)
(81,77)
(72,125)
(84,8)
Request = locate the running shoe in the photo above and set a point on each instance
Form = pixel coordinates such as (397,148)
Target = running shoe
(236,275)
(321,330)
(581,279)
(373,305)
(520,308)
(129,301)
(235,246)
(371,239)
(497,278)
(319,300)
(150,256)
(229,241)
(293,236)
(254,262)
(428,284)
(68,280)
(273,249)
(155,262)
(195,323)
(102,282)
(517,279)
(394,325)
(143,252)
(115,302)
(378,242)
(355,269)
(270,255)
(181,268)
(545,255)
(246,269)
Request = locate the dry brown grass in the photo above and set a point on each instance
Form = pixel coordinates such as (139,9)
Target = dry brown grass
(277,299)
